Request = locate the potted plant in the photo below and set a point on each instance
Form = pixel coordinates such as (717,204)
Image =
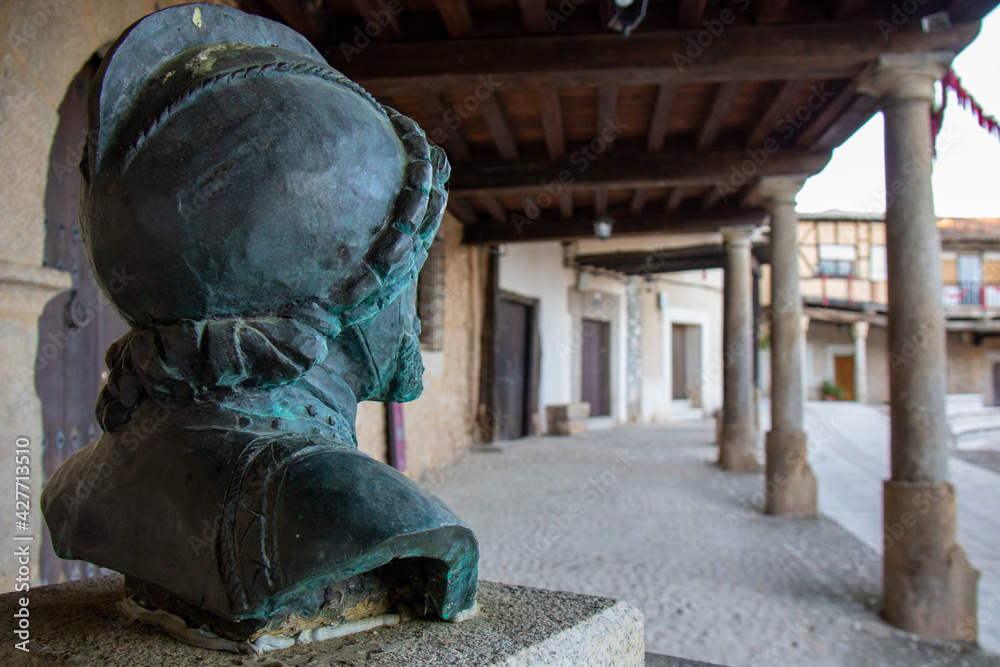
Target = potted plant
(831,392)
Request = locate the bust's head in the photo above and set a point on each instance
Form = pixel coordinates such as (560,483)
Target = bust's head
(235,176)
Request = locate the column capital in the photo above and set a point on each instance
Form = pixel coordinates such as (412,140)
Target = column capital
(780,189)
(738,235)
(860,329)
(902,76)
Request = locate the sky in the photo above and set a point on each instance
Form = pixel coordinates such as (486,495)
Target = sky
(967,170)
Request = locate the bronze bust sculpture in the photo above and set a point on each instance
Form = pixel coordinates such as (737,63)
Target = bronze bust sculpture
(269,218)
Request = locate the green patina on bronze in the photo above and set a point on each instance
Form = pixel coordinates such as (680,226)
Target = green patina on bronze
(260,222)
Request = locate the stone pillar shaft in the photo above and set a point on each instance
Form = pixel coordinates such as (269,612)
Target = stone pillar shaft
(738,437)
(790,487)
(860,330)
(929,586)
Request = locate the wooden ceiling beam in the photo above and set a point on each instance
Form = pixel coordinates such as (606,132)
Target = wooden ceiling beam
(460,208)
(552,121)
(496,123)
(607,111)
(690,13)
(533,16)
(770,11)
(493,207)
(456,17)
(639,198)
(829,113)
(666,96)
(845,9)
(970,10)
(724,97)
(553,229)
(566,203)
(748,53)
(673,202)
(376,10)
(779,107)
(600,202)
(675,168)
(454,143)
(300,19)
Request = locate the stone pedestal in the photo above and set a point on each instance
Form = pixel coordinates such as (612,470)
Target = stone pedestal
(790,486)
(517,626)
(567,419)
(930,587)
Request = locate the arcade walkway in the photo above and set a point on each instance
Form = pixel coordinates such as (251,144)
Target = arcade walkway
(642,513)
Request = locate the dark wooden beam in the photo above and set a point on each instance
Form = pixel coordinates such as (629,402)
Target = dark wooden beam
(600,202)
(970,10)
(829,113)
(666,95)
(496,123)
(845,9)
(690,13)
(554,229)
(857,114)
(673,202)
(770,11)
(778,108)
(454,143)
(456,17)
(461,209)
(713,195)
(376,10)
(748,53)
(663,260)
(607,109)
(493,207)
(299,19)
(566,203)
(533,16)
(639,198)
(724,97)
(552,122)
(675,168)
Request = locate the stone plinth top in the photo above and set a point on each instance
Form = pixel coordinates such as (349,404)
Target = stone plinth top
(518,626)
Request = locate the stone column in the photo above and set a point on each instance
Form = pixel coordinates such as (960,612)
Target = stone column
(789,487)
(738,436)
(929,587)
(860,330)
(804,354)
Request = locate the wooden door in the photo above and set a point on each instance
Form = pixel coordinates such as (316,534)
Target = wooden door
(595,375)
(514,363)
(843,375)
(678,361)
(77,326)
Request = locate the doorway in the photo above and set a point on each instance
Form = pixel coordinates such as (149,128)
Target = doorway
(77,326)
(685,362)
(843,374)
(595,370)
(516,365)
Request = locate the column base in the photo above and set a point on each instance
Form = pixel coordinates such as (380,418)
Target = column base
(790,486)
(929,587)
(736,449)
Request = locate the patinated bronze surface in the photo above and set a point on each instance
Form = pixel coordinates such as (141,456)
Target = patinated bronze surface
(259,220)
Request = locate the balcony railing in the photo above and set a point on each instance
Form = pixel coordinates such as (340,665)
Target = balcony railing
(971,293)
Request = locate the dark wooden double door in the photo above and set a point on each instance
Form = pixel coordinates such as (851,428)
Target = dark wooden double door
(517,363)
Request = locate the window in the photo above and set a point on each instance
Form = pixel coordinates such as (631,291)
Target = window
(430,297)
(836,260)
(879,271)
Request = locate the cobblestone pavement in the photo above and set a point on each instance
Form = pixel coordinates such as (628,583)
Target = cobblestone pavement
(642,514)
